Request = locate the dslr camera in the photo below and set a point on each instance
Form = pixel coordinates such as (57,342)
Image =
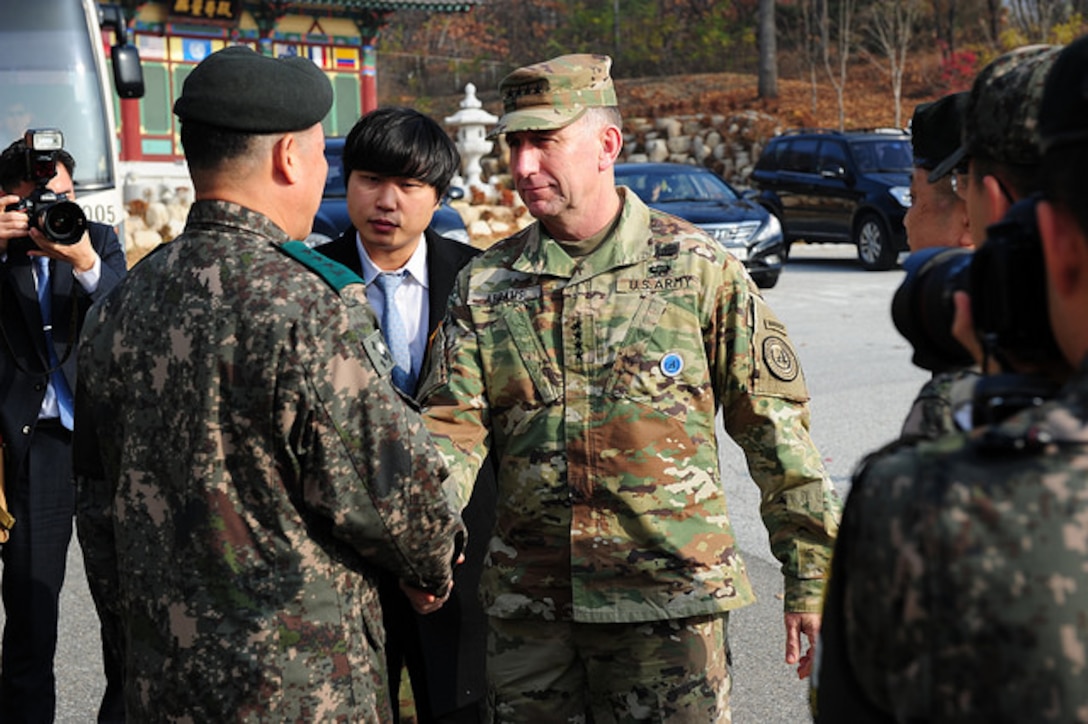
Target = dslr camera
(60,220)
(1007,283)
(1006,279)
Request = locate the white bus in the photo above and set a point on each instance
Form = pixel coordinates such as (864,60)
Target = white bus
(53,74)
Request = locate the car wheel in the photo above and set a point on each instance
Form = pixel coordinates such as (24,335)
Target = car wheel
(874,243)
(766,280)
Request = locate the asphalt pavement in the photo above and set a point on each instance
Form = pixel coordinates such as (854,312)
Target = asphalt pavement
(861,380)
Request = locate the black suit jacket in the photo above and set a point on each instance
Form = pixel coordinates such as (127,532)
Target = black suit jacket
(454,639)
(23,357)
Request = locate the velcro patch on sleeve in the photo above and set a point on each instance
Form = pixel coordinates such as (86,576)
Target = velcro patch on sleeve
(378,352)
(778,368)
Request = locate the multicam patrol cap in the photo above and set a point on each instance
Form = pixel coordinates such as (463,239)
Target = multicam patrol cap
(553,94)
(936,129)
(1001,121)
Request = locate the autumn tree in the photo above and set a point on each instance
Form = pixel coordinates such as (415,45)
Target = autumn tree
(944,24)
(768,51)
(889,29)
(836,44)
(799,28)
(1033,20)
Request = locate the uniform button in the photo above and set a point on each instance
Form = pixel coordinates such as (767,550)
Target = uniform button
(39,387)
(26,429)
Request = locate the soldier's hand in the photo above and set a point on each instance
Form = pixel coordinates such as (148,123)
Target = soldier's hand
(963,329)
(424,602)
(797,624)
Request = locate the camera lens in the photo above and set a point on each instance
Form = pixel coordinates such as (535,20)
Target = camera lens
(63,222)
(1009,298)
(922,308)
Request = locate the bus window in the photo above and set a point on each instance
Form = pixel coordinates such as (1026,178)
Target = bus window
(49,78)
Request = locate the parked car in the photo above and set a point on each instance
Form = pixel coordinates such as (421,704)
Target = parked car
(332,216)
(832,186)
(700,196)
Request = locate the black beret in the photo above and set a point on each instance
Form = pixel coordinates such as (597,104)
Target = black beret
(935,129)
(239,89)
(1063,111)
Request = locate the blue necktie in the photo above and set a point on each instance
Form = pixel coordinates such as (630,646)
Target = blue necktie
(395,335)
(58,385)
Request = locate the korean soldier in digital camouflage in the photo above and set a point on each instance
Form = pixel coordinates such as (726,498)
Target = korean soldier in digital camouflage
(589,354)
(959,585)
(993,162)
(256,463)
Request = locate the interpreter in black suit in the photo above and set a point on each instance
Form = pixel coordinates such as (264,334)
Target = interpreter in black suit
(35,425)
(398,164)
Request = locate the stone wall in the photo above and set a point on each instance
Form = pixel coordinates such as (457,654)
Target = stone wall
(728,144)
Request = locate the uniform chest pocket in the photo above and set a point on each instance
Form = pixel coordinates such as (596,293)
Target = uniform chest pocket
(662,356)
(535,361)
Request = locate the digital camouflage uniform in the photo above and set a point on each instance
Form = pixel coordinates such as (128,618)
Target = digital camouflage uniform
(595,384)
(942,406)
(960,587)
(258,465)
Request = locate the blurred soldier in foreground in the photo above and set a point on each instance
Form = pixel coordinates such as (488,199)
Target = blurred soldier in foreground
(995,164)
(590,354)
(256,463)
(959,587)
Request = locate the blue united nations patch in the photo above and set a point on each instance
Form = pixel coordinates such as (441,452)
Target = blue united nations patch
(672,364)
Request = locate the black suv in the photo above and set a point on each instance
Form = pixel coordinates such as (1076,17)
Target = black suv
(840,186)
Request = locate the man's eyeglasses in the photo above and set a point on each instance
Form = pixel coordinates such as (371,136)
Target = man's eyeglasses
(960,180)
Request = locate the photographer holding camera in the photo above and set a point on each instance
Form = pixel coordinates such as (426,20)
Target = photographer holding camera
(67,270)
(995,164)
(937,215)
(959,583)
(937,220)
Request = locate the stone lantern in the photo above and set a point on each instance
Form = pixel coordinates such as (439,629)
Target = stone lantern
(471,122)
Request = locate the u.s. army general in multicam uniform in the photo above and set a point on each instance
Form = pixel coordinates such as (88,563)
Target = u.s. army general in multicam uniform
(959,590)
(590,354)
(257,462)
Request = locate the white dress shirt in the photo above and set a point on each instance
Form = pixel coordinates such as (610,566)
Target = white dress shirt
(411,298)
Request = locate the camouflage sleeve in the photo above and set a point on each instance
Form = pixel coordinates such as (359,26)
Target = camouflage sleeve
(881,566)
(345,422)
(97,542)
(933,412)
(454,400)
(843,684)
(94,494)
(763,396)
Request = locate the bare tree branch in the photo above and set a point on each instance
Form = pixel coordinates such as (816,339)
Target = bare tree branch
(844,44)
(889,26)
